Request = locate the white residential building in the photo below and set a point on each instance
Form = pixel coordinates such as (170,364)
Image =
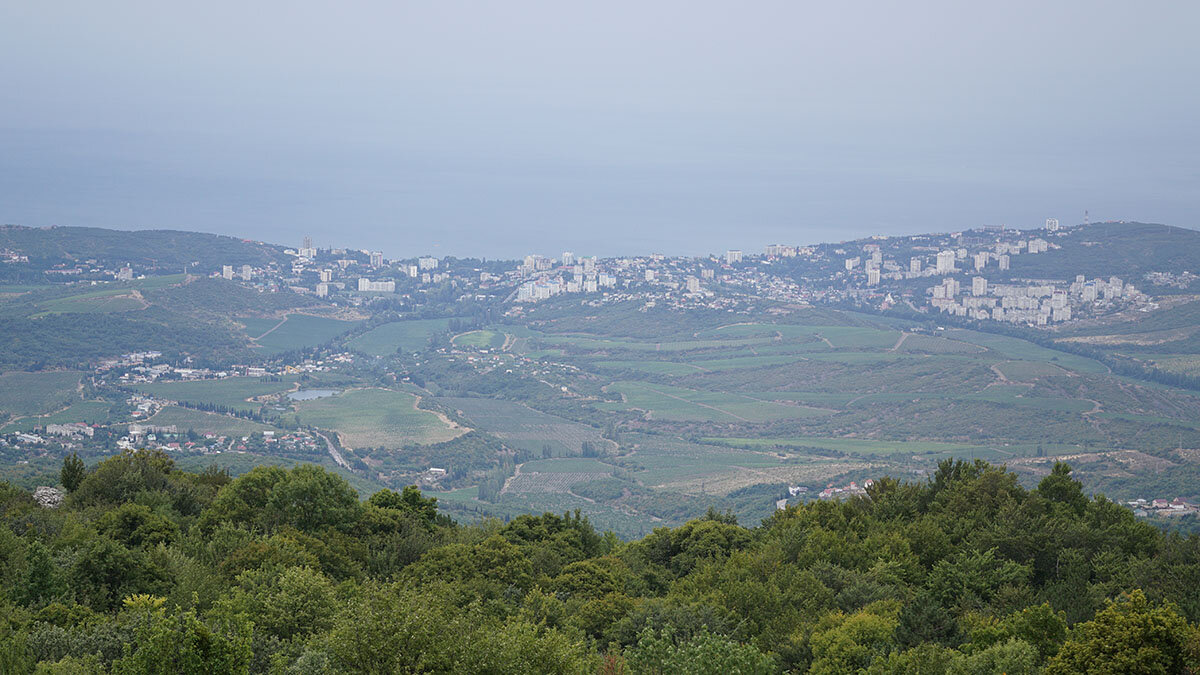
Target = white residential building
(366,285)
(945,262)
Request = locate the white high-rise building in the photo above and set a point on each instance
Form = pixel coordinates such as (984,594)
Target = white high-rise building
(568,259)
(981,260)
(873,276)
(326,275)
(1052,224)
(247,273)
(733,256)
(322,290)
(945,262)
(851,263)
(693,285)
(376,259)
(1004,260)
(227,272)
(979,286)
(125,274)
(427,263)
(915,265)
(365,284)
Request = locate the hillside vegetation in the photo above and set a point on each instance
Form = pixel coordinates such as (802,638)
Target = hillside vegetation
(149,569)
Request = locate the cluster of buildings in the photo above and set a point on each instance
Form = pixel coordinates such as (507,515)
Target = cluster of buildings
(846,491)
(1162,507)
(1036,304)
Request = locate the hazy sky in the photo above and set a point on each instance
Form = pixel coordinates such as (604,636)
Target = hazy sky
(500,128)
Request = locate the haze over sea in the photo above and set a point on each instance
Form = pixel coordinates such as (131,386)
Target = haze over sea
(617,128)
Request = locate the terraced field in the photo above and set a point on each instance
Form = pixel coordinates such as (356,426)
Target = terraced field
(556,475)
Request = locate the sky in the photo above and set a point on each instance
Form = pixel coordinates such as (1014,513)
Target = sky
(496,129)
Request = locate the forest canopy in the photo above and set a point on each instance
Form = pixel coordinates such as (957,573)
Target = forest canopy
(146,568)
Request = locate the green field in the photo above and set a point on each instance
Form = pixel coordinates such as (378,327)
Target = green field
(669,368)
(295,331)
(230,392)
(689,405)
(480,339)
(1019,396)
(609,344)
(1022,350)
(936,345)
(205,422)
(84,411)
(403,336)
(520,426)
(37,393)
(376,417)
(850,445)
(1183,364)
(1024,371)
(256,326)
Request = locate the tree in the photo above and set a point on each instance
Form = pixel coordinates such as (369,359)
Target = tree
(409,501)
(705,653)
(182,643)
(73,472)
(1130,635)
(1060,488)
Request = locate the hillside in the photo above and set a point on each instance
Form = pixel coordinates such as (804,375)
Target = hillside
(157,251)
(1127,250)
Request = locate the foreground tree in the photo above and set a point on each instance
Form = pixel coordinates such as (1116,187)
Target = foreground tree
(1130,636)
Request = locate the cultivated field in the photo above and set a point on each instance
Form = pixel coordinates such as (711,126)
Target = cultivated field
(230,392)
(376,417)
(90,412)
(296,331)
(37,393)
(678,404)
(848,445)
(480,339)
(404,336)
(205,422)
(520,426)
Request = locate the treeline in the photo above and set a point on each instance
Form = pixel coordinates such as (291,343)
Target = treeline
(149,569)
